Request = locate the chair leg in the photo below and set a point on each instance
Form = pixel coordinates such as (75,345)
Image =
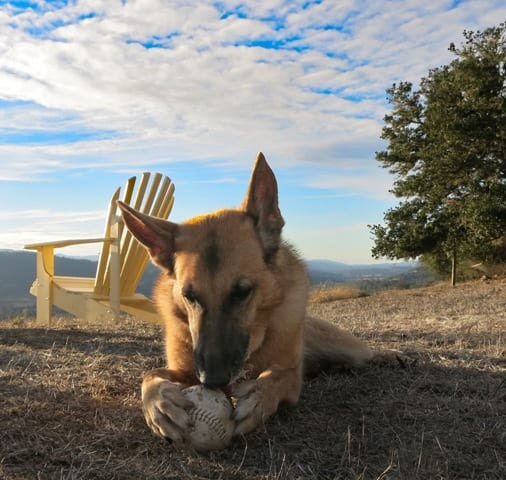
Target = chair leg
(44,305)
(115,272)
(44,291)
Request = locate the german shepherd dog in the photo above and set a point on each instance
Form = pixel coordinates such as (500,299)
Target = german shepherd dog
(232,295)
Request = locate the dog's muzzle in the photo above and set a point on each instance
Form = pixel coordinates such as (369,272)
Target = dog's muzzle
(219,363)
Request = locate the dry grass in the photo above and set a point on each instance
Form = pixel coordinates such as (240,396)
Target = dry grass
(329,293)
(70,406)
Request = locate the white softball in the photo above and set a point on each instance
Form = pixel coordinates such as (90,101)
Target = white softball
(213,425)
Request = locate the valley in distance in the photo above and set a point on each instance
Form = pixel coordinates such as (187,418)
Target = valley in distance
(17,273)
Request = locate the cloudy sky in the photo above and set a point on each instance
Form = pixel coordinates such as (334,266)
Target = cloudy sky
(93,91)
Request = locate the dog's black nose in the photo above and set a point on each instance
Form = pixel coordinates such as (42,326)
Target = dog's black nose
(220,352)
(214,380)
(212,371)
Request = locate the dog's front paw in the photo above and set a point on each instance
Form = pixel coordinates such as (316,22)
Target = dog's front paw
(249,412)
(165,409)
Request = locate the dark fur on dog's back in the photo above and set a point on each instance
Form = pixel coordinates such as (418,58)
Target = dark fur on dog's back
(233,296)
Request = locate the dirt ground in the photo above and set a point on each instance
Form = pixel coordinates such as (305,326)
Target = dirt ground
(70,400)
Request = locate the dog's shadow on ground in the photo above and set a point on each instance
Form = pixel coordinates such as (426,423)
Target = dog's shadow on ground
(373,419)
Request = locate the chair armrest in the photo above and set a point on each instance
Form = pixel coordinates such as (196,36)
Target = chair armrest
(66,243)
(45,253)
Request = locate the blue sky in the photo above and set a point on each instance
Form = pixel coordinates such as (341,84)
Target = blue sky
(93,91)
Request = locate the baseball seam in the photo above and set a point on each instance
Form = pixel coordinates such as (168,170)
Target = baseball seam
(209,419)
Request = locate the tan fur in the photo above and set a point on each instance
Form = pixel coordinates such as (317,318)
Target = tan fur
(209,264)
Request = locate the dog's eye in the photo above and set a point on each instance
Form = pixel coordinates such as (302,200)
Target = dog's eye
(189,295)
(241,291)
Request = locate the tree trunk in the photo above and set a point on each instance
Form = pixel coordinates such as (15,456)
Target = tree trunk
(454,267)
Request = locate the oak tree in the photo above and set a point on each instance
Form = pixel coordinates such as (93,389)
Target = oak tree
(446,147)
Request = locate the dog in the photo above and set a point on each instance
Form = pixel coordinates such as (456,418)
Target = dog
(232,295)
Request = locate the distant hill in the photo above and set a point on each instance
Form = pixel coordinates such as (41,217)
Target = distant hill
(321,271)
(17,272)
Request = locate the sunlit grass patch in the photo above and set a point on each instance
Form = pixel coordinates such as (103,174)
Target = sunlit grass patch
(331,292)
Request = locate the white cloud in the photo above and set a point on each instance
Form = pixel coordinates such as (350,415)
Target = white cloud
(43,225)
(210,92)
(367,183)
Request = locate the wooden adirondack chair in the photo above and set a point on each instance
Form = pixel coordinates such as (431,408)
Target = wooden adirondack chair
(120,267)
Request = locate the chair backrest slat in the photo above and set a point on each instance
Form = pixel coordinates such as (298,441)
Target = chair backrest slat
(137,256)
(152,198)
(103,260)
(127,240)
(102,279)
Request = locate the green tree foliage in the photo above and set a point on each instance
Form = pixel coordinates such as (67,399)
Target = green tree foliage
(447,150)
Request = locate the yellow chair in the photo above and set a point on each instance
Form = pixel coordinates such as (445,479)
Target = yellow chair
(120,267)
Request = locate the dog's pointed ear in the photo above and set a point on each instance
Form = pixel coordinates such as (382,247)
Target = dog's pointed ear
(156,234)
(261,203)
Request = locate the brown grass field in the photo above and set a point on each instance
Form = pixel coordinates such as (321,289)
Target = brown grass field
(70,402)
